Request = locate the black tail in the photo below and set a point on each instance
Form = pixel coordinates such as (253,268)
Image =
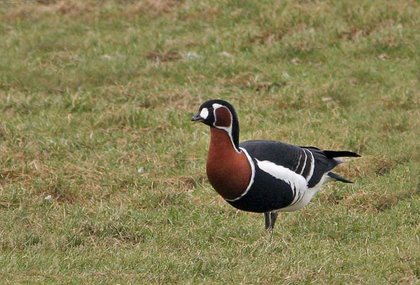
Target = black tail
(338,177)
(333,153)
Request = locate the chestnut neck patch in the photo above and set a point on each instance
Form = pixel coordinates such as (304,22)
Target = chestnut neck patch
(223,160)
(223,117)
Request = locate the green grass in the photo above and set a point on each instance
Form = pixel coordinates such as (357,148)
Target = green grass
(96,99)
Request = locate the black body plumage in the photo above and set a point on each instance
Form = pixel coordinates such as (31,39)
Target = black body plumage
(269,193)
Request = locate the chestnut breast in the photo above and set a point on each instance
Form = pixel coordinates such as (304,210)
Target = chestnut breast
(228,170)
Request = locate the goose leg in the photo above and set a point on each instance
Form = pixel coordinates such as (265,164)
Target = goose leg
(270,220)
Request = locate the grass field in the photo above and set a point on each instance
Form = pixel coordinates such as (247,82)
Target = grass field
(102,174)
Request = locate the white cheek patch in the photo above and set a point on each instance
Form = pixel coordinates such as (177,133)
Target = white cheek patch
(204,113)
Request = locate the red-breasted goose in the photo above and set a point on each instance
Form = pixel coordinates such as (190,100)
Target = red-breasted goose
(260,175)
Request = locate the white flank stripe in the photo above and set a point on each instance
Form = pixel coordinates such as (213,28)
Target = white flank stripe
(304,164)
(283,173)
(311,172)
(305,197)
(297,167)
(297,182)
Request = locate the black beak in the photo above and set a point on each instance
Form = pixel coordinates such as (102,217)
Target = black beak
(197,118)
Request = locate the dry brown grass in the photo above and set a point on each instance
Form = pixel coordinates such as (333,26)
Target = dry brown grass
(366,201)
(164,56)
(39,9)
(36,10)
(152,8)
